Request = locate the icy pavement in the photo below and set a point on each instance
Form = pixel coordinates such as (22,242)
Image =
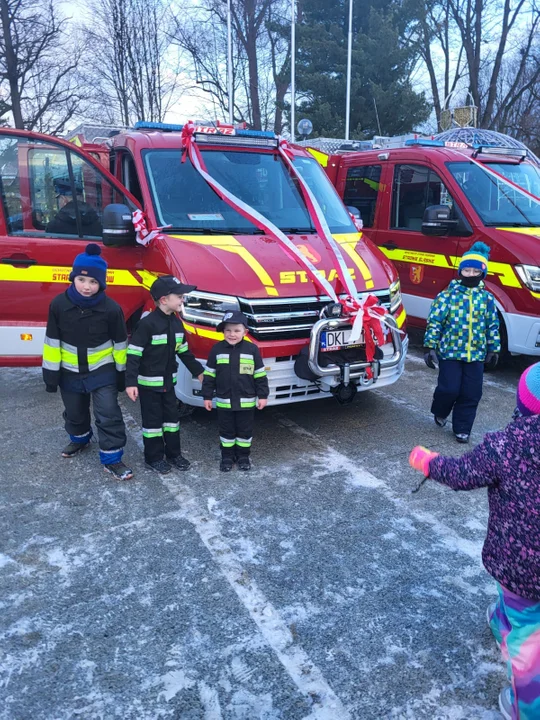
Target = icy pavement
(314,588)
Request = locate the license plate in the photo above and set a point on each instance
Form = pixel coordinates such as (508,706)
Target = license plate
(337,340)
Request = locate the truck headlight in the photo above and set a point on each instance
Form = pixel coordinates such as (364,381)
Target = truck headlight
(208,308)
(530,276)
(395,296)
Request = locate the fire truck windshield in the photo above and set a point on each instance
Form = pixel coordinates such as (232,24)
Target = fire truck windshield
(183,199)
(497,202)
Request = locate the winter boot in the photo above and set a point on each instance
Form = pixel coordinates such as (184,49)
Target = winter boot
(226,464)
(462,438)
(74,448)
(439,421)
(160,466)
(244,463)
(505,702)
(179,462)
(119,471)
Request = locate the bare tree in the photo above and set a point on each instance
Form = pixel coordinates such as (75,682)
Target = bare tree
(137,68)
(38,66)
(475,40)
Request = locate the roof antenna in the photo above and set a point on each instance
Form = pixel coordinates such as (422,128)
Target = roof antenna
(377,116)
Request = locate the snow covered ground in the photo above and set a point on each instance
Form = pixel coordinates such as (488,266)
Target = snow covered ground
(316,587)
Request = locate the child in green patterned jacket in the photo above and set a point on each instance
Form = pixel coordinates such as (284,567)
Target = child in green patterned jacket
(462,336)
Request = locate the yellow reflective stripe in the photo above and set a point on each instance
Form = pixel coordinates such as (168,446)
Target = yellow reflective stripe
(535,295)
(120,355)
(320,157)
(211,334)
(101,357)
(60,274)
(190,328)
(52,354)
(522,231)
(401,318)
(229,243)
(348,242)
(504,271)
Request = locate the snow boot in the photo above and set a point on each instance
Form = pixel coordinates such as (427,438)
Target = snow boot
(160,466)
(226,465)
(74,448)
(505,702)
(439,421)
(179,462)
(119,471)
(462,438)
(244,463)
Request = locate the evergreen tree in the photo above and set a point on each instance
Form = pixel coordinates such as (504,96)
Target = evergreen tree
(381,66)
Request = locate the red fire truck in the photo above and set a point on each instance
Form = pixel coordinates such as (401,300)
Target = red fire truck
(426,202)
(201,239)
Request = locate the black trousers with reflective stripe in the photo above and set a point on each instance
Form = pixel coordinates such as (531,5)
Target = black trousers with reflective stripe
(107,414)
(158,409)
(235,425)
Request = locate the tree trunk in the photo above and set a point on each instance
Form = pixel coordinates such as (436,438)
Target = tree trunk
(11,67)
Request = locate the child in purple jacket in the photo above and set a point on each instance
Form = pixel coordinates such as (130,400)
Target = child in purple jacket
(508,464)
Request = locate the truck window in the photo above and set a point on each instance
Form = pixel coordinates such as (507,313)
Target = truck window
(415,188)
(129,176)
(495,201)
(47,190)
(184,200)
(362,189)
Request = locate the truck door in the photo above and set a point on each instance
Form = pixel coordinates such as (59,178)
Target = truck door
(51,205)
(425,263)
(362,188)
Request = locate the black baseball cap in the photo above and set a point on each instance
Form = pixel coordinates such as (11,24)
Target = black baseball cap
(234,317)
(167,284)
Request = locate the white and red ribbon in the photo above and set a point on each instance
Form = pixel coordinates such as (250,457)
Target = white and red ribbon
(143,234)
(367,315)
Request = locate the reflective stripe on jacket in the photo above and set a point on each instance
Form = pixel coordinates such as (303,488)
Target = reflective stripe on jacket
(83,341)
(236,374)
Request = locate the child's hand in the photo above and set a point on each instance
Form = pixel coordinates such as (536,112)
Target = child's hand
(200,377)
(262,403)
(420,458)
(430,358)
(208,404)
(132,392)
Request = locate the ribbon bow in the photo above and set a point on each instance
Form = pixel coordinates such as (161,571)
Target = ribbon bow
(186,138)
(143,234)
(286,148)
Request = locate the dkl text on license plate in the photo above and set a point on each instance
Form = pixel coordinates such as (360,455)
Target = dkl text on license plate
(338,339)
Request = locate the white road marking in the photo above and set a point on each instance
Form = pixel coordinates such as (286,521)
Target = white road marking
(302,671)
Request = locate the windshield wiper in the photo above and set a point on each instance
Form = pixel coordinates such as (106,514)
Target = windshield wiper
(298,231)
(504,224)
(216,231)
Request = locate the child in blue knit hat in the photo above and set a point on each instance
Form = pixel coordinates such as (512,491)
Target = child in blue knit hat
(85,355)
(462,336)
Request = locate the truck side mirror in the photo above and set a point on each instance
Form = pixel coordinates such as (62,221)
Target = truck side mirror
(118,227)
(356,216)
(437,220)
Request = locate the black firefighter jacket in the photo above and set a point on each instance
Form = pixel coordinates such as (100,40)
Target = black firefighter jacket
(151,354)
(89,343)
(236,373)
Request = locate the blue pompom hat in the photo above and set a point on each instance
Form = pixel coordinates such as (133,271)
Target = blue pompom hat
(91,264)
(476,257)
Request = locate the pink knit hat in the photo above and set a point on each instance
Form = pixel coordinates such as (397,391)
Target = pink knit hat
(528,392)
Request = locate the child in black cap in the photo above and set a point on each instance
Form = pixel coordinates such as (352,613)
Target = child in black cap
(151,374)
(85,354)
(235,372)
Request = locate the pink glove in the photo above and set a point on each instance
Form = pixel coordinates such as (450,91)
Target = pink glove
(420,458)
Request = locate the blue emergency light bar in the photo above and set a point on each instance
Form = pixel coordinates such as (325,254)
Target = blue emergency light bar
(166,127)
(424,142)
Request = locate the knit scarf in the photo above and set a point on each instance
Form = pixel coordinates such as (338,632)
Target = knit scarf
(85,303)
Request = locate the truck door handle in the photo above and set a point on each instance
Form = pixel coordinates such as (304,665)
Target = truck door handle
(18,261)
(390,246)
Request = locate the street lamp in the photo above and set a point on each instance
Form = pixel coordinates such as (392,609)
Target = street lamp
(349,54)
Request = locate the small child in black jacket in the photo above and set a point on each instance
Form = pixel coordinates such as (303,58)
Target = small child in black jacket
(85,355)
(235,372)
(151,374)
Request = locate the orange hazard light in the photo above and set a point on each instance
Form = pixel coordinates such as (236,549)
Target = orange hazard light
(26,336)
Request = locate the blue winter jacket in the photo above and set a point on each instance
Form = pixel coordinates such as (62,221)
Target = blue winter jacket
(463,323)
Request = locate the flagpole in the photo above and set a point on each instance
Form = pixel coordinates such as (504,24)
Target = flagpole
(293,60)
(349,54)
(229,63)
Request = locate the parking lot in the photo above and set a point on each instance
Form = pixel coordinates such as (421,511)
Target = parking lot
(315,587)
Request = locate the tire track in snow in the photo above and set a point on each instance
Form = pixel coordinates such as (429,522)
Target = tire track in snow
(307,677)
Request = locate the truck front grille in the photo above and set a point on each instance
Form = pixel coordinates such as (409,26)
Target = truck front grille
(290,318)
